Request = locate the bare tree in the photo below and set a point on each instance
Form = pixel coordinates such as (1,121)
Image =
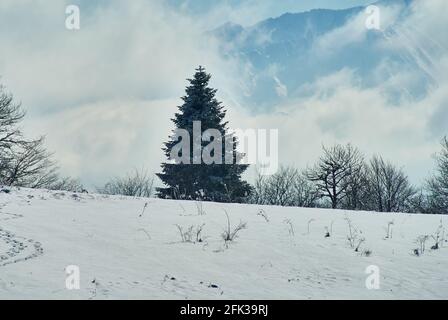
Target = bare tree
(332,172)
(305,193)
(390,187)
(437,186)
(22,162)
(10,136)
(30,166)
(358,193)
(279,187)
(287,187)
(420,202)
(135,184)
(10,116)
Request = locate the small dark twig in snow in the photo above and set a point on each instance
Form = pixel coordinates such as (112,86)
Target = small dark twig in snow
(309,223)
(230,235)
(263,213)
(290,227)
(144,208)
(389,229)
(146,232)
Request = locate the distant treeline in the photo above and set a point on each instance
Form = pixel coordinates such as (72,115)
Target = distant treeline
(343,179)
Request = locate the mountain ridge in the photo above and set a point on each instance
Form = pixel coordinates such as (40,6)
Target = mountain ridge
(295,49)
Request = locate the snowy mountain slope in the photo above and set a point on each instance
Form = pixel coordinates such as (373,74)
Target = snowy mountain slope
(122,255)
(294,50)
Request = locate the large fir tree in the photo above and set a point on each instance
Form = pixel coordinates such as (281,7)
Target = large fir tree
(214,182)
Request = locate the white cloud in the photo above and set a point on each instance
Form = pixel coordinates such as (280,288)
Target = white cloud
(338,109)
(137,49)
(355,30)
(281,89)
(104,95)
(349,113)
(107,138)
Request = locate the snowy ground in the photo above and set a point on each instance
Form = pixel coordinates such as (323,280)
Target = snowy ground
(123,256)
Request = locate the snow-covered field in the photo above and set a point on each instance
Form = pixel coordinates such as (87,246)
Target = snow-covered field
(122,255)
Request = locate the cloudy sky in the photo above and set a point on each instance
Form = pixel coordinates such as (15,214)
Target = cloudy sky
(104,95)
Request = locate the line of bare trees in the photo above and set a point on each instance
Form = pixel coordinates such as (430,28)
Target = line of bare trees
(288,187)
(342,178)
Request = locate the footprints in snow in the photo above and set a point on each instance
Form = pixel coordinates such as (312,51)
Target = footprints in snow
(184,287)
(13,248)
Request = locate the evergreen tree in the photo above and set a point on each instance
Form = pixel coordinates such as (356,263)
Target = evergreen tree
(187,179)
(438,185)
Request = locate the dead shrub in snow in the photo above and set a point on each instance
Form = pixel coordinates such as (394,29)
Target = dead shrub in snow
(200,208)
(309,223)
(186,235)
(360,242)
(143,210)
(198,233)
(421,241)
(354,237)
(230,234)
(290,227)
(183,209)
(68,184)
(263,213)
(94,290)
(134,184)
(329,231)
(389,230)
(192,234)
(438,236)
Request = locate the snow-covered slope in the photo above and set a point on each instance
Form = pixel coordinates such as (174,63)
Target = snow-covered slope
(124,255)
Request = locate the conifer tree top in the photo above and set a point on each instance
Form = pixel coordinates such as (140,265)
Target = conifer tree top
(200,104)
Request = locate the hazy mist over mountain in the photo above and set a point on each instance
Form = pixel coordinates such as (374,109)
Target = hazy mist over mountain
(286,53)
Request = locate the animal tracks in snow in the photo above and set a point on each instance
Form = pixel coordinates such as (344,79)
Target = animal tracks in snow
(14,248)
(186,288)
